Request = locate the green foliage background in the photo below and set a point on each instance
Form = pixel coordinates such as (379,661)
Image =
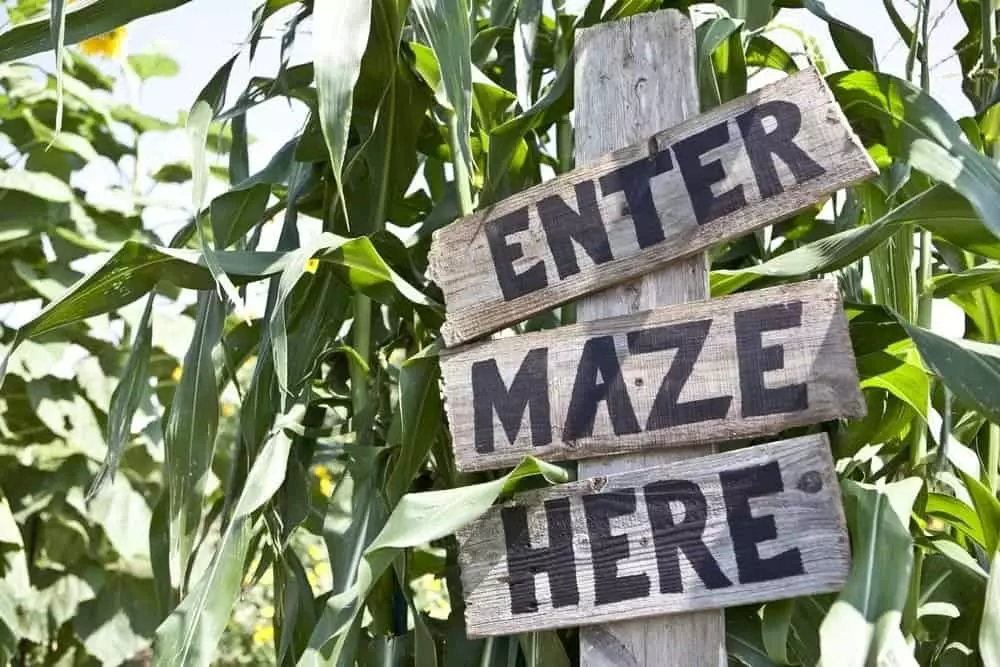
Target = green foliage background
(200,486)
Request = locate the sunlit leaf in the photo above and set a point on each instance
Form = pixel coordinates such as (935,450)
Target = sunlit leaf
(417,519)
(989,629)
(870,605)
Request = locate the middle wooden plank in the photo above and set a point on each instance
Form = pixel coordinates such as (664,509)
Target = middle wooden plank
(744,366)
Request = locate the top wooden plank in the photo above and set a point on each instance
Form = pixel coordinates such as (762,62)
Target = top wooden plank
(715,177)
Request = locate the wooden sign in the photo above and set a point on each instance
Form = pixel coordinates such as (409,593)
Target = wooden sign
(743,366)
(747,526)
(715,177)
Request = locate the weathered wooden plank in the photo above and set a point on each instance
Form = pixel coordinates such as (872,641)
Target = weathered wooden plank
(743,366)
(751,525)
(634,77)
(714,177)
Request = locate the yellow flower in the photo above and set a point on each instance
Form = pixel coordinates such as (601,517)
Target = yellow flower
(312,265)
(322,568)
(315,552)
(176,374)
(326,487)
(109,45)
(263,634)
(267,612)
(228,409)
(313,579)
(321,472)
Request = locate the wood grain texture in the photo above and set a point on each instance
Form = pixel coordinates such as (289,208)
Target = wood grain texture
(827,154)
(782,497)
(643,76)
(747,365)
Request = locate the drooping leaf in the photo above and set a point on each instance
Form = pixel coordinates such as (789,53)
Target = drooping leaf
(188,637)
(84,18)
(419,518)
(446,26)
(189,435)
(989,628)
(529,13)
(337,52)
(420,414)
(132,388)
(870,606)
(855,47)
(919,131)
(134,271)
(969,368)
(838,250)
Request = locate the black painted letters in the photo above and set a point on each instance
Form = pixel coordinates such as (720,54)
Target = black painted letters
(755,359)
(529,391)
(688,338)
(699,178)
(762,145)
(563,225)
(512,283)
(669,538)
(599,379)
(738,486)
(524,562)
(607,549)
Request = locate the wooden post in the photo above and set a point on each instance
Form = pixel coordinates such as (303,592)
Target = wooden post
(635,77)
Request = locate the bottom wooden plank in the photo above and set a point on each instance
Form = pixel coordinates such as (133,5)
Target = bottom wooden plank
(751,525)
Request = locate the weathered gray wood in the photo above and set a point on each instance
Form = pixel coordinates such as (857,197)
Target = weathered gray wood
(633,78)
(751,525)
(814,154)
(747,365)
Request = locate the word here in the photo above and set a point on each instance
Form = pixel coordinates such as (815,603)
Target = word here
(743,366)
(715,177)
(747,526)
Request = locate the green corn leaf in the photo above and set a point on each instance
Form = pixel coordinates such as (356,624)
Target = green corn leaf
(419,518)
(776,625)
(710,36)
(446,26)
(755,13)
(189,436)
(843,248)
(188,637)
(870,606)
(969,368)
(897,375)
(338,46)
(989,629)
(134,271)
(128,394)
(57,28)
(946,284)
(529,13)
(236,212)
(919,131)
(762,52)
(855,47)
(987,508)
(85,18)
(420,416)
(958,514)
(199,119)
